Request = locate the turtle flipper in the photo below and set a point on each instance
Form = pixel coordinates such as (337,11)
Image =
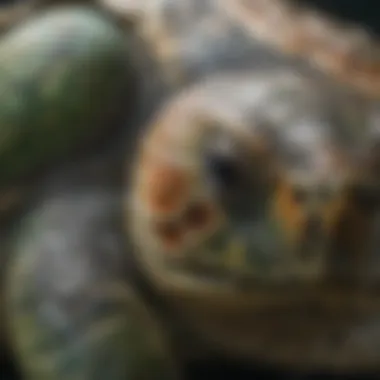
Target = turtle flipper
(73,314)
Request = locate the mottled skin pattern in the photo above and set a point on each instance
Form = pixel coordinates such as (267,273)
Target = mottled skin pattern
(345,51)
(79,316)
(191,37)
(254,276)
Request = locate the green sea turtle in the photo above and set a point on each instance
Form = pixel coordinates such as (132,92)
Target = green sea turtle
(242,222)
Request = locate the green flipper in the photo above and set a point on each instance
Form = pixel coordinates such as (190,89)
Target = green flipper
(64,77)
(72,311)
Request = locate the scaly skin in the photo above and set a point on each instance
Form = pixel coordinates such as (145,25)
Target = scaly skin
(344,51)
(186,37)
(73,313)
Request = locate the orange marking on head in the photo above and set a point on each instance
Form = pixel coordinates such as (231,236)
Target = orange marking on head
(287,211)
(166,187)
(199,216)
(294,214)
(170,234)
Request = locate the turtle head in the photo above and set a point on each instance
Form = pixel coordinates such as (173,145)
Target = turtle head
(235,179)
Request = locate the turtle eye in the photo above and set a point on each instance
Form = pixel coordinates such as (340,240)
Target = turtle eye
(225,171)
(231,182)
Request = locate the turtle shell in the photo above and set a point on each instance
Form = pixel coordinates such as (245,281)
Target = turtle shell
(193,38)
(65,77)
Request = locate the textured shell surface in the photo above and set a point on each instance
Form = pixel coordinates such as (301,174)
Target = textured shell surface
(190,38)
(348,51)
(63,75)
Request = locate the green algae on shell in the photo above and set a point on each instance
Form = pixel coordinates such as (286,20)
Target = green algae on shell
(63,75)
